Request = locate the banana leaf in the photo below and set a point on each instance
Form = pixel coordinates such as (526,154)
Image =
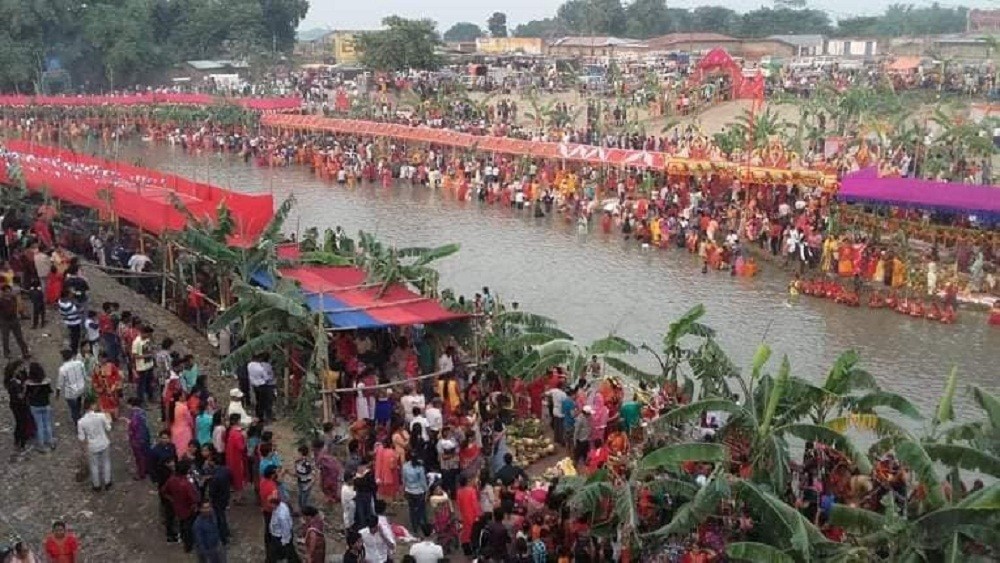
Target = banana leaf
(673,456)
(825,435)
(946,411)
(898,403)
(969,459)
(693,410)
(757,552)
(612,344)
(779,522)
(269,342)
(856,520)
(704,504)
(630,371)
(989,403)
(912,454)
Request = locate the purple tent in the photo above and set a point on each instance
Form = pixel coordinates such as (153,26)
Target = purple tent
(864,186)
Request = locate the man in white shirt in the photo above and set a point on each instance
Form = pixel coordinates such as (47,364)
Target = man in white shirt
(410,400)
(93,429)
(261,377)
(426,551)
(378,548)
(445,364)
(71,383)
(556,397)
(435,420)
(142,353)
(137,263)
(280,531)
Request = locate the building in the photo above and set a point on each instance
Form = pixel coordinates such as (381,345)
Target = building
(851,47)
(510,45)
(982,21)
(804,45)
(335,46)
(595,47)
(691,42)
(954,47)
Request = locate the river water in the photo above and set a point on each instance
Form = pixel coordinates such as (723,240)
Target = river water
(593,284)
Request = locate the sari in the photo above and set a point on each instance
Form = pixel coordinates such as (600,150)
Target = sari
(107,383)
(467,499)
(387,472)
(236,456)
(331,473)
(443,519)
(182,427)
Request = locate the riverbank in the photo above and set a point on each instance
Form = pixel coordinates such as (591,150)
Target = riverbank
(122,524)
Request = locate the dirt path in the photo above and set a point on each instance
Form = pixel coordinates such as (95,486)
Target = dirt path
(121,524)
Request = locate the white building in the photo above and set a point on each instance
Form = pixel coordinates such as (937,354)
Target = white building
(851,47)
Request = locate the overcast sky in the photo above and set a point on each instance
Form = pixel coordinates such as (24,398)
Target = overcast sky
(362,14)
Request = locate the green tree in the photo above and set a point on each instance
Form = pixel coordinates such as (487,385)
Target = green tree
(593,17)
(548,28)
(281,18)
(404,44)
(715,19)
(647,18)
(463,31)
(497,24)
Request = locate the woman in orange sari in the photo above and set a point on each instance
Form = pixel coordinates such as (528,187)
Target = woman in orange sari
(387,471)
(469,509)
(107,384)
(401,441)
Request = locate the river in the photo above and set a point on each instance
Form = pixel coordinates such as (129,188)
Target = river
(593,284)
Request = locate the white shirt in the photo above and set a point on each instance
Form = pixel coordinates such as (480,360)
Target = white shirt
(407,402)
(93,428)
(377,549)
(259,373)
(137,262)
(347,495)
(445,364)
(435,421)
(426,552)
(71,381)
(281,524)
(557,396)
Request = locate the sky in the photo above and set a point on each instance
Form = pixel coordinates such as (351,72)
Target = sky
(342,14)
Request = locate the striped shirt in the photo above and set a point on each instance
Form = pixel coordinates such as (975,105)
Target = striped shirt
(70,313)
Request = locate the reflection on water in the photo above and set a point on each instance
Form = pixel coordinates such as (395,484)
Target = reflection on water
(595,284)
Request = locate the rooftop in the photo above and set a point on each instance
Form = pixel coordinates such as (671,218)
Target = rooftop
(800,40)
(219,64)
(677,39)
(598,41)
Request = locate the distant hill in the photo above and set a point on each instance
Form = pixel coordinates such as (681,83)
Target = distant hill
(312,34)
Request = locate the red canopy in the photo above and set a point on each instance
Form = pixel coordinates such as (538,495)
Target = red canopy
(153,98)
(138,195)
(349,302)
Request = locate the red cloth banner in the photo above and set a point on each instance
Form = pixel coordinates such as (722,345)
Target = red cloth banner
(139,195)
(152,99)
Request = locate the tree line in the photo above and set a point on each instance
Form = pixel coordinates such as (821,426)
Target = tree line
(113,43)
(642,19)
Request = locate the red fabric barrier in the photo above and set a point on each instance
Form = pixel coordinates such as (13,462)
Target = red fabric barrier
(151,99)
(485,143)
(138,195)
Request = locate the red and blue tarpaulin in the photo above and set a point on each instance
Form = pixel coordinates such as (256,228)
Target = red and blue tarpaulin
(349,302)
(865,186)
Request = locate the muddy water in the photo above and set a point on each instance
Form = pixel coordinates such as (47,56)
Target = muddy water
(593,284)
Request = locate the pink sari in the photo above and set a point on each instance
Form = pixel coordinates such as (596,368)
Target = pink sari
(182,429)
(387,471)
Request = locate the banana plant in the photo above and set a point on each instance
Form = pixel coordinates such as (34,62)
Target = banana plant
(764,425)
(569,353)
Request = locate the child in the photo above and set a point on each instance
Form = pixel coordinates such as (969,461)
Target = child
(304,470)
(36,295)
(92,328)
(61,545)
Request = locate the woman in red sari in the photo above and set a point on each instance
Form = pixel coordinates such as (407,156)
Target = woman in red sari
(53,286)
(469,509)
(387,471)
(107,384)
(236,452)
